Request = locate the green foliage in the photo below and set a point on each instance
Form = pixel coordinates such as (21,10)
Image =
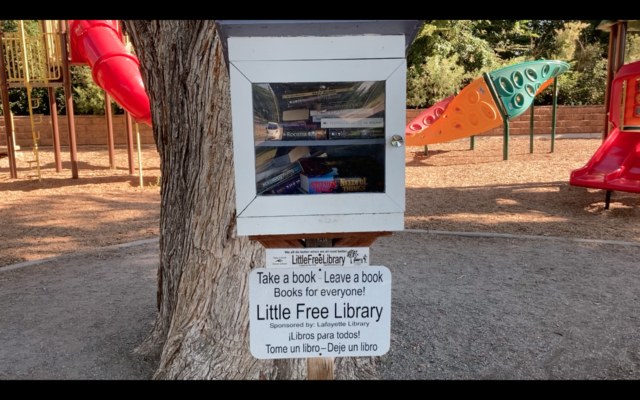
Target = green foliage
(88,98)
(585,82)
(447,55)
(632,48)
(439,79)
(444,57)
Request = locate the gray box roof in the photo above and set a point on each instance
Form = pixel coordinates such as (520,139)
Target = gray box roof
(240,28)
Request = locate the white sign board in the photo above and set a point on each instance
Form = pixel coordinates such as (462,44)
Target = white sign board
(318,257)
(319,312)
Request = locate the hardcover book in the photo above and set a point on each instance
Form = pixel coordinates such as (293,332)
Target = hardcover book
(352,122)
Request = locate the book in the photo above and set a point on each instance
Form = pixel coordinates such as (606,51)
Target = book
(312,99)
(290,186)
(295,115)
(264,154)
(274,176)
(294,125)
(319,184)
(352,122)
(286,159)
(317,115)
(314,93)
(332,183)
(355,133)
(306,134)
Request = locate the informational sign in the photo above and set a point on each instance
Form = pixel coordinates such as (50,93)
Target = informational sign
(319,311)
(318,257)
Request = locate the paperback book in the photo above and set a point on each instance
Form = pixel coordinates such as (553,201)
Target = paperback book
(288,187)
(275,176)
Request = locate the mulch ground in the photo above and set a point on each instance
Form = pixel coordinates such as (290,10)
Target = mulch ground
(451,189)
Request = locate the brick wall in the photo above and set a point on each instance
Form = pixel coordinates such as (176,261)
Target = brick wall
(569,120)
(90,130)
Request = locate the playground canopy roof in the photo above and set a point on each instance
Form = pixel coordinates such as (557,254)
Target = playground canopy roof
(632,24)
(257,28)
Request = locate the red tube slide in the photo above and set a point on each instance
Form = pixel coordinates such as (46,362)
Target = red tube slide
(115,70)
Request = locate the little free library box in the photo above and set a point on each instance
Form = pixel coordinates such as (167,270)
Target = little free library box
(318,113)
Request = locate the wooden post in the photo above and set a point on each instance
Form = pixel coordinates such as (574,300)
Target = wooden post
(127,118)
(107,111)
(611,60)
(6,107)
(54,127)
(319,368)
(139,155)
(66,77)
(621,41)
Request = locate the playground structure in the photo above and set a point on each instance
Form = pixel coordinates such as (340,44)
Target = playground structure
(43,60)
(616,163)
(486,103)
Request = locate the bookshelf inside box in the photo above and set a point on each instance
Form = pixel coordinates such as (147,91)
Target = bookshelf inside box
(358,182)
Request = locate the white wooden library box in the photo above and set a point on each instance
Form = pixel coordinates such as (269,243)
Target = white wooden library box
(318,114)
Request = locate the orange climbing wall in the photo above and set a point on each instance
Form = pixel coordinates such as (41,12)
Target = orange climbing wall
(471,112)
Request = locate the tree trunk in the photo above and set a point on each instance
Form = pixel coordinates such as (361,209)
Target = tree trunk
(202,328)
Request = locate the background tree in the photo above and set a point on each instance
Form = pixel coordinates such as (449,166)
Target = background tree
(202,328)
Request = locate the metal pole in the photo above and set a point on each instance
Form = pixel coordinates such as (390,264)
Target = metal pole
(426,150)
(505,141)
(6,107)
(139,155)
(473,143)
(531,131)
(611,61)
(66,77)
(503,114)
(54,126)
(553,118)
(607,200)
(107,111)
(127,118)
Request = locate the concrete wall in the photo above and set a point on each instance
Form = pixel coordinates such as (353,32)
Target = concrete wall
(569,120)
(92,129)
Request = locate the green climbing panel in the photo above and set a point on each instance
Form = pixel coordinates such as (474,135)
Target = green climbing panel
(517,84)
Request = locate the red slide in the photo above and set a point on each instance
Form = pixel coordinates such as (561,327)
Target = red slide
(616,164)
(98,43)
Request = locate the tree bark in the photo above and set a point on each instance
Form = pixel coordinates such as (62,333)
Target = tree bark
(202,327)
